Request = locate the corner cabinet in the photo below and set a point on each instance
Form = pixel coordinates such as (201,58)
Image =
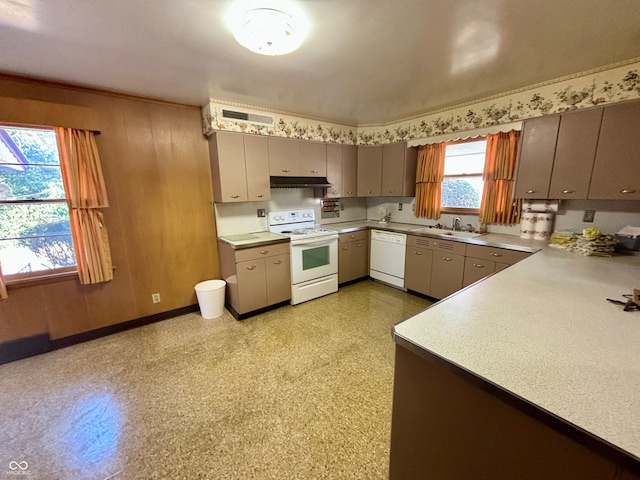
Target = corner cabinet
(616,171)
(239,167)
(257,277)
(353,255)
(342,167)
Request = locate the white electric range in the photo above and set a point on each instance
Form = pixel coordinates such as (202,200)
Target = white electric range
(314,254)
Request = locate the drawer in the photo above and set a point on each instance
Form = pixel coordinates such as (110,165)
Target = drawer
(353,236)
(449,246)
(495,254)
(263,251)
(420,242)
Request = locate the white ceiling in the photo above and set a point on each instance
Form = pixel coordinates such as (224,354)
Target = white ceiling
(366,61)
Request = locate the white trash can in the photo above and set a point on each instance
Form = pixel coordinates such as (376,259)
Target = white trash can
(210,295)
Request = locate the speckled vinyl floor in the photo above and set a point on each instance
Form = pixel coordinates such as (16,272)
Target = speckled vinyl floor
(302,392)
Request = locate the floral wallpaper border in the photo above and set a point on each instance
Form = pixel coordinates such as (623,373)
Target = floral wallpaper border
(608,86)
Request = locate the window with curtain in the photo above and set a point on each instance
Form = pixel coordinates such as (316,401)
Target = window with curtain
(35,231)
(462,184)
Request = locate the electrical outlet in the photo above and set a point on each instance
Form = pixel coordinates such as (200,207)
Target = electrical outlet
(155,297)
(262,213)
(399,207)
(588,216)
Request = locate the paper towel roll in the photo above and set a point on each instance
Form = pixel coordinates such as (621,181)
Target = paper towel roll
(544,226)
(528,224)
(540,205)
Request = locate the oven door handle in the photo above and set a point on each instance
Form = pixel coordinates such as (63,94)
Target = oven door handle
(327,239)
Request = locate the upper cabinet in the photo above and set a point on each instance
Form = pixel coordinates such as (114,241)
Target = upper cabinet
(575,153)
(387,171)
(369,171)
(289,157)
(239,167)
(284,157)
(535,161)
(398,170)
(313,159)
(616,171)
(341,170)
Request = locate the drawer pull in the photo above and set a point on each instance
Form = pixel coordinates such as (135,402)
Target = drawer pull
(417,253)
(477,265)
(277,262)
(285,170)
(359,245)
(264,252)
(447,259)
(251,267)
(391,191)
(260,195)
(566,192)
(235,196)
(532,191)
(352,236)
(368,191)
(350,193)
(496,254)
(345,248)
(625,191)
(314,171)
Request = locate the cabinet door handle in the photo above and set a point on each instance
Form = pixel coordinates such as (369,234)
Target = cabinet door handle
(350,193)
(391,191)
(359,245)
(447,259)
(286,171)
(532,191)
(314,171)
(417,253)
(277,262)
(352,236)
(566,192)
(264,252)
(477,265)
(496,254)
(235,196)
(251,267)
(368,191)
(625,191)
(260,195)
(345,248)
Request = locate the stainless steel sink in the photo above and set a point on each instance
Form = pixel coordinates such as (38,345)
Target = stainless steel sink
(445,232)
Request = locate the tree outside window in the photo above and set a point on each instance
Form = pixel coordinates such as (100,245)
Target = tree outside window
(35,234)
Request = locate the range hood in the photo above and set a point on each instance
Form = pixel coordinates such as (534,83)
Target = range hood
(299,182)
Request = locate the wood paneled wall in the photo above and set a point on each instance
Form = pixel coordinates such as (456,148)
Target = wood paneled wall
(160,219)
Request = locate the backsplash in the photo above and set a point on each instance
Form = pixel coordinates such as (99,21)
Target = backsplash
(234,218)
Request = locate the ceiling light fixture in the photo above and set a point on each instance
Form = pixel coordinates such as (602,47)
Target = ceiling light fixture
(268,27)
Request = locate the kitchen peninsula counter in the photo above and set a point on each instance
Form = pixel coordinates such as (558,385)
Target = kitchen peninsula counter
(256,239)
(542,338)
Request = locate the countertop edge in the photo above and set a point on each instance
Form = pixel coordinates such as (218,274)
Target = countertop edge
(257,243)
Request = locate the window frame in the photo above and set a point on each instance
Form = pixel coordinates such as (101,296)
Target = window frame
(50,274)
(460,210)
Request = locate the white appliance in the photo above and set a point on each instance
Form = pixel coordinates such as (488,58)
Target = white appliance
(314,254)
(387,257)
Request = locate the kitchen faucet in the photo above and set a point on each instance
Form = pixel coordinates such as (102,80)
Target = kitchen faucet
(455,224)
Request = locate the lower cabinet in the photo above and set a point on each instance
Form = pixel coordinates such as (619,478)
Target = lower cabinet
(256,277)
(476,269)
(417,265)
(482,261)
(353,255)
(446,274)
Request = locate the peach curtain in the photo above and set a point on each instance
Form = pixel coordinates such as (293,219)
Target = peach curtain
(498,204)
(3,286)
(429,175)
(86,195)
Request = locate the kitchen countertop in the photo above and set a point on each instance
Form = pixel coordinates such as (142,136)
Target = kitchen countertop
(488,239)
(256,239)
(542,331)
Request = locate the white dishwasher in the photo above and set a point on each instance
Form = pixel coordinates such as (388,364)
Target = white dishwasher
(387,257)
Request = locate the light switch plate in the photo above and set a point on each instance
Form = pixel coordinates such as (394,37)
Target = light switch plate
(588,216)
